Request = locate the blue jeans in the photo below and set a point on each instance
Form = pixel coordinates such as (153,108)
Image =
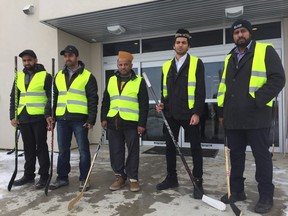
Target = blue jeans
(65,129)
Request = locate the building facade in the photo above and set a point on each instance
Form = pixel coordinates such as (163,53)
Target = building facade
(100,28)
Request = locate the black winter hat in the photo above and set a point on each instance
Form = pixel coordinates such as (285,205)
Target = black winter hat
(70,49)
(28,52)
(239,24)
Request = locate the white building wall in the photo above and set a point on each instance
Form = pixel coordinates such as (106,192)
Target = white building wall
(19,32)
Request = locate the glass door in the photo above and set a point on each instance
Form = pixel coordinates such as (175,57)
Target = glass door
(211,132)
(154,128)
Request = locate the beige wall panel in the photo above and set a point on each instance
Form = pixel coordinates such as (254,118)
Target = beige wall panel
(19,32)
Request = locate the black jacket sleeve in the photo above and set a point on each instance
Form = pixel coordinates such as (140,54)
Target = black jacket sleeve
(143,100)
(47,88)
(105,105)
(200,91)
(55,96)
(92,98)
(275,78)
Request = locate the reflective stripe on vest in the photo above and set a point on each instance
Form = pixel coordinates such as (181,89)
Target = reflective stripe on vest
(125,104)
(191,86)
(34,98)
(74,99)
(258,74)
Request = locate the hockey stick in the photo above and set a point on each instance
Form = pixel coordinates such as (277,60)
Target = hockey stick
(78,197)
(16,128)
(52,130)
(235,209)
(210,201)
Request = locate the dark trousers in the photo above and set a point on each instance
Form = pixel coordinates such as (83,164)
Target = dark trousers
(117,139)
(258,139)
(194,134)
(34,136)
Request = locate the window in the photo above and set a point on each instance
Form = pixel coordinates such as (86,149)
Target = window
(207,38)
(157,44)
(112,49)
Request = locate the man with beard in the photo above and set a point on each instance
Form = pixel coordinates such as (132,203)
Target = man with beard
(182,100)
(253,75)
(124,112)
(33,89)
(76,101)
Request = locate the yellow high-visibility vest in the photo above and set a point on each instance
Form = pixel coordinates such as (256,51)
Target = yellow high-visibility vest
(34,98)
(258,75)
(74,99)
(126,104)
(191,79)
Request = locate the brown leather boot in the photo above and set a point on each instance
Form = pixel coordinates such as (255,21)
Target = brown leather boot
(134,185)
(118,183)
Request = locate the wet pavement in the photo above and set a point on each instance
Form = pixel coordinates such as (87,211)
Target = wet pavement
(99,200)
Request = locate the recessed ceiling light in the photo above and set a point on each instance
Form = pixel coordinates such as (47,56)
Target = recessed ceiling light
(116,29)
(234,12)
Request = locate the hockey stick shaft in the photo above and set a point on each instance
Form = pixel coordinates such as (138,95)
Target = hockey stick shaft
(234,208)
(212,202)
(78,197)
(16,128)
(52,130)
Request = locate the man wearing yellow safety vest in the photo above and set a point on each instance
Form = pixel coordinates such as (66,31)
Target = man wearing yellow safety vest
(253,75)
(124,112)
(33,92)
(75,102)
(182,100)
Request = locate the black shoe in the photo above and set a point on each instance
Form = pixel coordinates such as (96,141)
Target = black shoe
(22,181)
(169,182)
(87,187)
(198,193)
(234,197)
(41,183)
(263,205)
(58,183)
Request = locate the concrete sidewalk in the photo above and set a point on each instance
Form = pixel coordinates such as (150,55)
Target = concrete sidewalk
(99,200)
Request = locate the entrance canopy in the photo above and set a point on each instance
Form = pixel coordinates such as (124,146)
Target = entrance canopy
(165,17)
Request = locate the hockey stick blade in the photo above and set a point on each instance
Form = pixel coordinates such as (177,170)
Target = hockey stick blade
(10,151)
(12,180)
(78,197)
(214,203)
(16,162)
(234,208)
